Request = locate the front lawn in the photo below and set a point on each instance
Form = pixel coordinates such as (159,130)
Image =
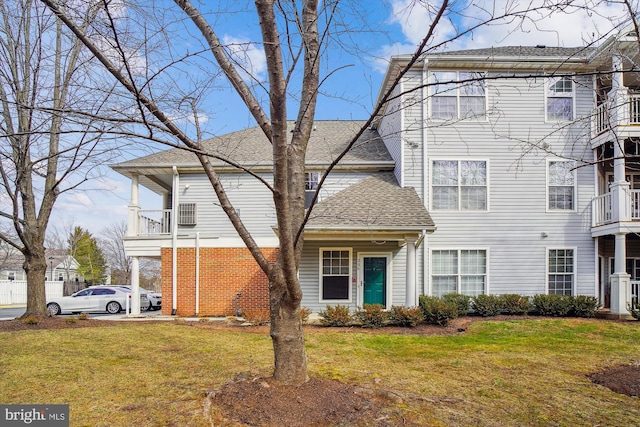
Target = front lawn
(522,372)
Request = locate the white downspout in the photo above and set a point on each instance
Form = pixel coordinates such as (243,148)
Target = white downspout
(174,242)
(425,171)
(197,272)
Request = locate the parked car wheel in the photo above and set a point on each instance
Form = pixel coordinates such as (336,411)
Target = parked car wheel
(113,307)
(53,308)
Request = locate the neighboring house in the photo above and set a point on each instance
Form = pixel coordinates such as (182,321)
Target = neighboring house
(60,267)
(524,158)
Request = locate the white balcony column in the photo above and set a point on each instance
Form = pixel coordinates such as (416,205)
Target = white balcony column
(620,197)
(620,279)
(619,113)
(135,286)
(134,208)
(410,298)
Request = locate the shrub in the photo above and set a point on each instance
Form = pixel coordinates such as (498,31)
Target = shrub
(405,316)
(257,316)
(305,312)
(585,306)
(437,311)
(487,305)
(338,315)
(515,304)
(634,309)
(71,320)
(552,304)
(31,320)
(462,302)
(83,316)
(371,316)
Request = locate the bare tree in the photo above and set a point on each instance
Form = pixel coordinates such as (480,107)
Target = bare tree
(112,244)
(295,37)
(46,148)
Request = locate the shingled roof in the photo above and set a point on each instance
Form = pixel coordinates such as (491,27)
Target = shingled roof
(251,147)
(522,51)
(376,203)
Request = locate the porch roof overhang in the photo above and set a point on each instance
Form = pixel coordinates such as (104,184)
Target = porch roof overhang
(375,206)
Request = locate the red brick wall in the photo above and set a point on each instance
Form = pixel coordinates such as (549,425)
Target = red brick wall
(224,272)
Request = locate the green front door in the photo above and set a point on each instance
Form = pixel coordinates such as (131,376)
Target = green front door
(375,280)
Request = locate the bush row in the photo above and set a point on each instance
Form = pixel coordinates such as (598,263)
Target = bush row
(442,310)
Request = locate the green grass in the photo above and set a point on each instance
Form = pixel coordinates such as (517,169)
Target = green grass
(520,372)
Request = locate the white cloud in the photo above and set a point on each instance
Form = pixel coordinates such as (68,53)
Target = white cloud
(247,55)
(573,25)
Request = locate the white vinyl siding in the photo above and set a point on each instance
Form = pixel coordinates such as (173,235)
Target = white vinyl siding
(251,199)
(561,271)
(462,271)
(561,186)
(517,215)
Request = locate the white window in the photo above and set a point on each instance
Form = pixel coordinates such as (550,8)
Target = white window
(459,185)
(457,95)
(561,271)
(187,214)
(11,275)
(561,190)
(310,186)
(335,274)
(463,271)
(559,99)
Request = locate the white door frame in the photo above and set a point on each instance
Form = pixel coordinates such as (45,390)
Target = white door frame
(360,278)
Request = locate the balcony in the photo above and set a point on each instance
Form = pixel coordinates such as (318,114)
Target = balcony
(154,223)
(603,213)
(628,110)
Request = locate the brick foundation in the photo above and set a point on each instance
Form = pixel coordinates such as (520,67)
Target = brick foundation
(230,279)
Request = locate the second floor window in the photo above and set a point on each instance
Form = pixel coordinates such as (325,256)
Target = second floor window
(559,99)
(310,186)
(457,95)
(459,185)
(561,186)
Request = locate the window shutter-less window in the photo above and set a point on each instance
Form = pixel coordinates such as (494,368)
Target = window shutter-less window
(187,214)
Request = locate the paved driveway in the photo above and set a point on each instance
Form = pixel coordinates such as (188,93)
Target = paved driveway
(11,312)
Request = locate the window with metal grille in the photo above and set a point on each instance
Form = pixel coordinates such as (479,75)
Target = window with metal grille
(187,214)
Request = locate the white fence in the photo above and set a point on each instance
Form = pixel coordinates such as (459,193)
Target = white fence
(15,291)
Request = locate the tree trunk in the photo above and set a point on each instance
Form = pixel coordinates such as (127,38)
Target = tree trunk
(287,335)
(35,266)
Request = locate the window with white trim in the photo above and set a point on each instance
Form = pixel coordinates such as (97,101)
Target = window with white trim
(459,185)
(463,271)
(335,274)
(561,271)
(559,98)
(310,186)
(457,94)
(187,214)
(562,186)
(11,275)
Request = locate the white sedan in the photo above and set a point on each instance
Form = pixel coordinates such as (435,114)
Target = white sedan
(111,299)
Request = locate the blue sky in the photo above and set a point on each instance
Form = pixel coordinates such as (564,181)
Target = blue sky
(352,89)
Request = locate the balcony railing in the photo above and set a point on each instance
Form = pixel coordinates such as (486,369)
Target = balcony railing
(155,222)
(602,208)
(629,114)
